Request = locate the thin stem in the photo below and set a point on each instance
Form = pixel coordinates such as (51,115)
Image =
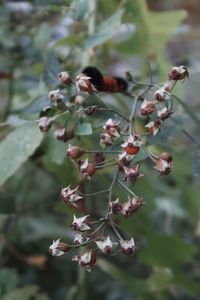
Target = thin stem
(191,137)
(126,188)
(115,230)
(110,192)
(98,228)
(150,155)
(103,151)
(131,127)
(106,165)
(94,194)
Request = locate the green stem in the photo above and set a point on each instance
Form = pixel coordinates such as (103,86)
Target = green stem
(94,194)
(126,188)
(106,165)
(102,151)
(115,230)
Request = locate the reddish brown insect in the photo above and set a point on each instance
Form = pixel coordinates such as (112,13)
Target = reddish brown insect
(103,83)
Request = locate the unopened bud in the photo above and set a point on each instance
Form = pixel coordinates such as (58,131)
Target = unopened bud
(75,152)
(65,78)
(178,73)
(166,156)
(45,123)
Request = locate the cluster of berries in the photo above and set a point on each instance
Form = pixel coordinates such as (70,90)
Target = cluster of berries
(98,235)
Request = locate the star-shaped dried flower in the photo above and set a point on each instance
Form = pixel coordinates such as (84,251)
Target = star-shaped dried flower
(57,248)
(128,247)
(106,246)
(131,174)
(69,195)
(80,224)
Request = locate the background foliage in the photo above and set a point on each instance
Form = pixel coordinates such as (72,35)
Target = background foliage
(37,41)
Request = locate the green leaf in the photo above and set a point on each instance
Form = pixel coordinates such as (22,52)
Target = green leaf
(52,69)
(34,229)
(83,129)
(196,163)
(36,105)
(7,204)
(16,148)
(8,280)
(106,30)
(80,8)
(56,150)
(28,292)
(72,40)
(188,109)
(167,251)
(158,281)
(42,37)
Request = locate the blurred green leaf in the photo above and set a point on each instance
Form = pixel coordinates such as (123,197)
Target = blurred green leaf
(8,280)
(56,150)
(167,251)
(34,229)
(7,204)
(159,280)
(26,293)
(83,129)
(196,163)
(42,37)
(70,40)
(105,31)
(80,8)
(36,105)
(17,147)
(51,70)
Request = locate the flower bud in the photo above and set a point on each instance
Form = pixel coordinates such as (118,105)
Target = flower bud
(112,128)
(161,94)
(45,123)
(55,97)
(131,206)
(90,110)
(65,78)
(166,156)
(58,248)
(78,100)
(115,206)
(106,246)
(86,260)
(178,73)
(132,144)
(75,152)
(153,127)
(128,247)
(163,166)
(70,196)
(131,174)
(87,169)
(164,114)
(84,84)
(106,140)
(80,224)
(60,134)
(147,107)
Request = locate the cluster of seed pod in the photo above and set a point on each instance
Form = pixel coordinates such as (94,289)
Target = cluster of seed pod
(102,235)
